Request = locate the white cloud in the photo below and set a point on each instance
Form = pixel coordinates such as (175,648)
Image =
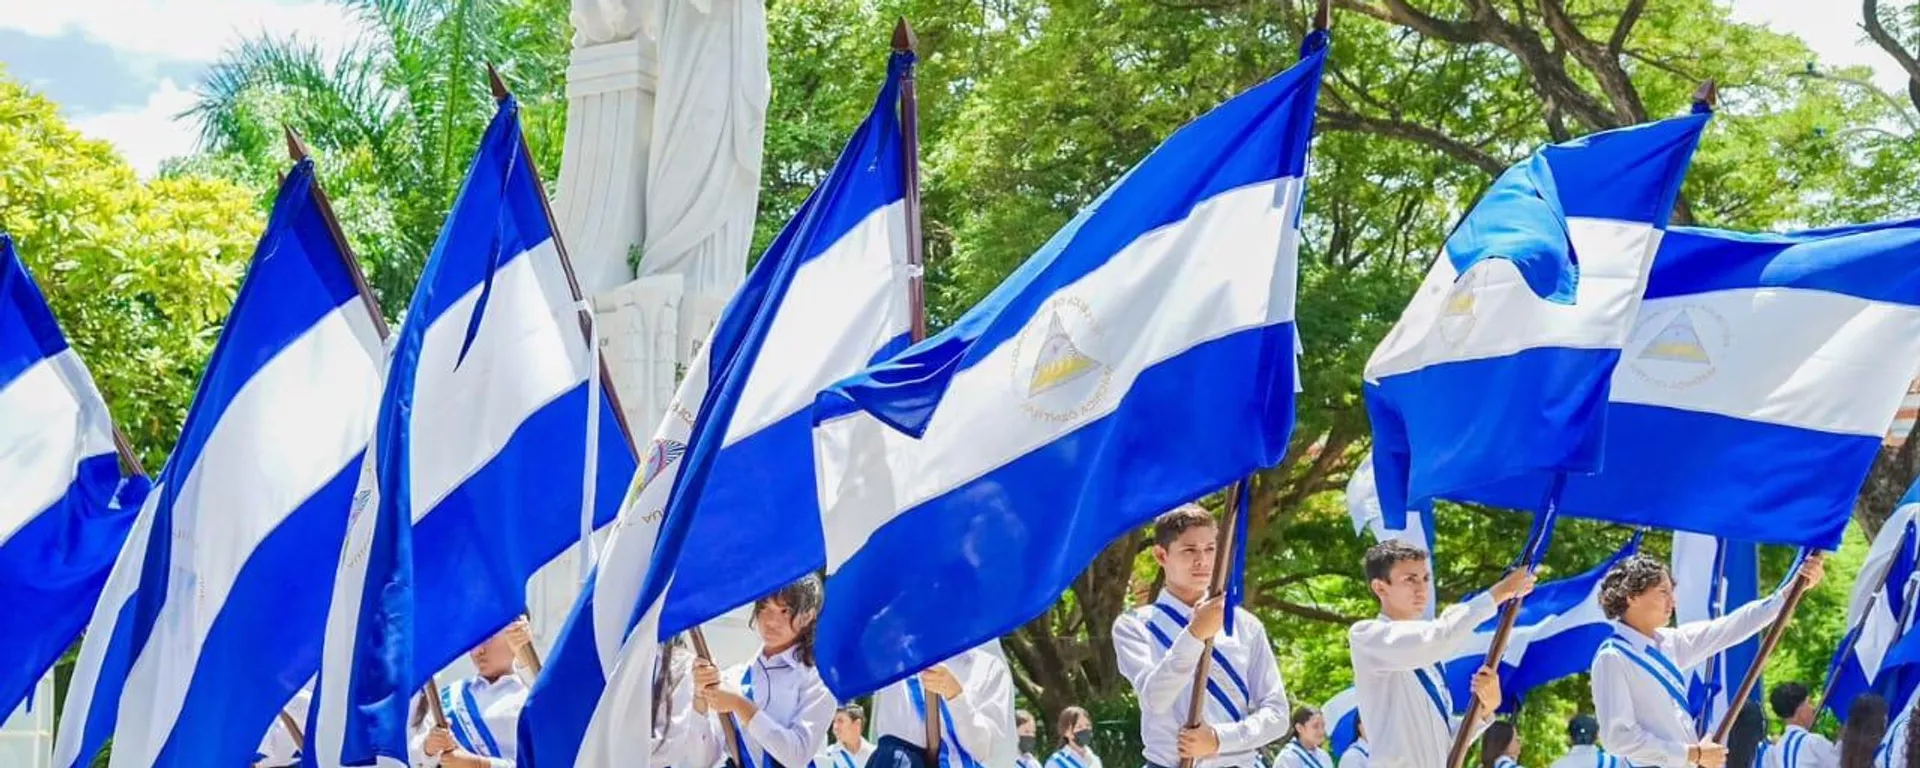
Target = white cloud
(181,30)
(146,134)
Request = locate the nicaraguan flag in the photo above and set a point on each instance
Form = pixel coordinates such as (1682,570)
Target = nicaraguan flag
(212,616)
(67,506)
(493,438)
(1879,613)
(1756,387)
(1559,629)
(1499,367)
(832,292)
(1143,358)
(1725,576)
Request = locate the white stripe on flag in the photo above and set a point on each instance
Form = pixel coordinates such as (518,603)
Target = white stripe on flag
(1221,285)
(48,416)
(264,458)
(1507,317)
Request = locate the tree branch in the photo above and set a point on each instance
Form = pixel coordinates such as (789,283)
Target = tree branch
(1303,611)
(1398,12)
(1336,120)
(1624,26)
(1877,30)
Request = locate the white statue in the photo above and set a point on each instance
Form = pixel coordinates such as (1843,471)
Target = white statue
(709,125)
(666,115)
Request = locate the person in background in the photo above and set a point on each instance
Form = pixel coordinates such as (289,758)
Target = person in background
(1304,744)
(1500,746)
(1076,741)
(1357,754)
(483,711)
(780,709)
(1029,737)
(1582,733)
(849,747)
(1866,726)
(1901,747)
(1797,747)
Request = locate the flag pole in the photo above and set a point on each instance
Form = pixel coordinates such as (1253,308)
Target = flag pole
(1716,607)
(906,42)
(293,729)
(128,460)
(298,152)
(1222,571)
(1847,643)
(1509,616)
(1774,633)
(432,693)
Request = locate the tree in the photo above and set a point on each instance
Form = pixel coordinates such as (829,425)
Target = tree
(140,275)
(393,121)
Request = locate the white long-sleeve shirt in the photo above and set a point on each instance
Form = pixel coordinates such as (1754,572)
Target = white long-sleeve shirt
(1067,758)
(981,716)
(1799,748)
(838,756)
(796,709)
(1359,755)
(1246,700)
(1402,690)
(1639,693)
(1296,755)
(494,711)
(1586,756)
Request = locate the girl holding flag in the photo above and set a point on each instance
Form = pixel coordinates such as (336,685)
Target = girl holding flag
(779,707)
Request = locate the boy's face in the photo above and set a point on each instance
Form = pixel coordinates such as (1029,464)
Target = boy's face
(1405,593)
(1188,561)
(845,728)
(1652,608)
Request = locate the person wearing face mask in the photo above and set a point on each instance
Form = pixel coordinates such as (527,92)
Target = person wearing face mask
(1029,737)
(779,708)
(1305,742)
(1076,741)
(483,711)
(1158,647)
(1639,693)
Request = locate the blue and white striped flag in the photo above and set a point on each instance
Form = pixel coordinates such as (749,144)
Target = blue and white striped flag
(832,293)
(986,466)
(1499,367)
(1342,714)
(1561,626)
(493,439)
(1756,387)
(67,506)
(211,618)
(1880,612)
(1718,577)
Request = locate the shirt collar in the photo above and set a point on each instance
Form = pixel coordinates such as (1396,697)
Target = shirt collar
(781,660)
(507,682)
(1633,637)
(1167,599)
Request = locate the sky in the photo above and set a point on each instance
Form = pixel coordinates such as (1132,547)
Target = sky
(123,70)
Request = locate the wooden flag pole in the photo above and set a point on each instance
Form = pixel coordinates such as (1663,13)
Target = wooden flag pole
(905,42)
(1774,633)
(293,729)
(1846,646)
(1222,570)
(128,460)
(730,729)
(298,152)
(1510,615)
(432,692)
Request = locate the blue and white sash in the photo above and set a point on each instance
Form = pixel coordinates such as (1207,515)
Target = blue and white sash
(1437,694)
(1505,762)
(1306,755)
(1164,624)
(748,758)
(1064,759)
(842,759)
(953,754)
(1790,745)
(468,723)
(1654,663)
